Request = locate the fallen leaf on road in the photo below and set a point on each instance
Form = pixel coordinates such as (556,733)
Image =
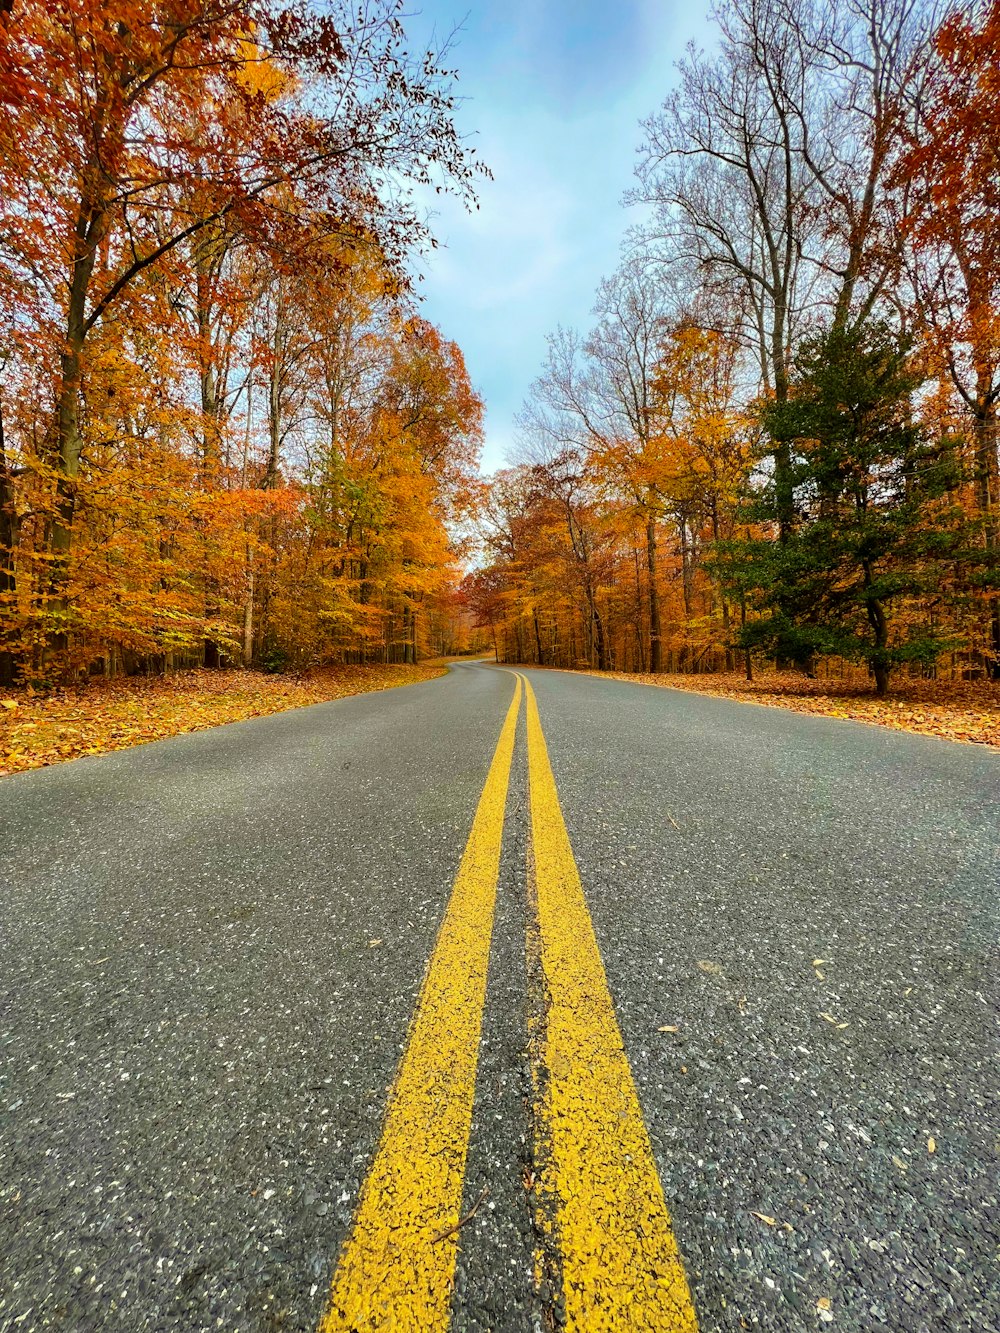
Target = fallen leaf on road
(771,1221)
(713,969)
(824,1303)
(898,1161)
(667,1027)
(931,1145)
(836,1023)
(373,944)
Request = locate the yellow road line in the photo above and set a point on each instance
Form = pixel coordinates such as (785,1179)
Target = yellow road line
(618,1260)
(396,1268)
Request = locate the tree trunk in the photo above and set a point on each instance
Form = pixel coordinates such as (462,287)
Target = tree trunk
(727,629)
(90,231)
(687,651)
(639,637)
(69,448)
(747,660)
(784,491)
(413,654)
(211,434)
(274,392)
(687,571)
(248,625)
(8,576)
(988,503)
(655,644)
(538,639)
(600,640)
(880,628)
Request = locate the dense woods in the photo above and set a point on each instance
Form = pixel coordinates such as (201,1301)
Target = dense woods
(226,436)
(777,442)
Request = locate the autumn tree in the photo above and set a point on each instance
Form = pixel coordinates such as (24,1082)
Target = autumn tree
(786,407)
(951,187)
(706,442)
(768,167)
(552,560)
(134,139)
(595,396)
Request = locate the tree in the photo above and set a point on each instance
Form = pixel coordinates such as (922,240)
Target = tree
(596,397)
(768,169)
(875,526)
(544,592)
(127,139)
(950,180)
(705,446)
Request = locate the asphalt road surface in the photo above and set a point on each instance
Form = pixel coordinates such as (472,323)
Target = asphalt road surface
(292,1038)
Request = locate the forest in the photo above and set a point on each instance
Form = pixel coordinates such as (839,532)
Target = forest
(229,438)
(226,434)
(777,443)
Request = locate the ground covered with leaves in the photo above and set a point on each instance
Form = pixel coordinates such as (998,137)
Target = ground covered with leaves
(40,729)
(956,710)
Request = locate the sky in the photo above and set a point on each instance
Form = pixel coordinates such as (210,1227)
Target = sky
(553,92)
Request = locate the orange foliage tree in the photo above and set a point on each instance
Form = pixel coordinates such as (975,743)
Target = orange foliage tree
(816,173)
(178,181)
(951,179)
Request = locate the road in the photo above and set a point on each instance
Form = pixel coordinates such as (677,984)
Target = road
(702,1033)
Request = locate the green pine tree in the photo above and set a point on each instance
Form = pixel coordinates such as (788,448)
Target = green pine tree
(874,521)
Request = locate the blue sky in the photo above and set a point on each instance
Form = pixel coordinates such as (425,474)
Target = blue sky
(553,92)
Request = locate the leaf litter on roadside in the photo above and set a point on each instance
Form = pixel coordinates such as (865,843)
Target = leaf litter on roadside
(40,729)
(966,711)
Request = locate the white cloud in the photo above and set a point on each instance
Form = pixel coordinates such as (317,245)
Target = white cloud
(561,148)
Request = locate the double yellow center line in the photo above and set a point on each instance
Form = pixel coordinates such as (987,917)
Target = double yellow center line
(606,1232)
(396,1269)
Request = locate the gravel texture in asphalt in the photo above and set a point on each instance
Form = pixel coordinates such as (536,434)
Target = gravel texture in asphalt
(211,948)
(813,905)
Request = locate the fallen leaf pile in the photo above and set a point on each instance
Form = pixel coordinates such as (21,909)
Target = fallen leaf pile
(41,729)
(956,710)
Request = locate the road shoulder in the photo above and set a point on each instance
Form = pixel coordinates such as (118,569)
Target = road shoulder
(968,712)
(37,730)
